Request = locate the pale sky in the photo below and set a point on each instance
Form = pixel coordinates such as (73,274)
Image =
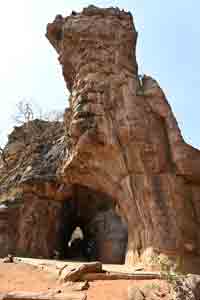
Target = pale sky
(168,49)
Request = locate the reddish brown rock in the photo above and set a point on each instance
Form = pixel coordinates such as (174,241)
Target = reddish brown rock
(38,212)
(123,138)
(31,220)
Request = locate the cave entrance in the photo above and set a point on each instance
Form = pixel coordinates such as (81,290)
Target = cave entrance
(91,229)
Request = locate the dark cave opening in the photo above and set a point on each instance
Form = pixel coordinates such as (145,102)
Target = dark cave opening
(91,229)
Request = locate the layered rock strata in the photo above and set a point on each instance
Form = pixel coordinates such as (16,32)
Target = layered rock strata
(30,222)
(39,212)
(123,138)
(118,163)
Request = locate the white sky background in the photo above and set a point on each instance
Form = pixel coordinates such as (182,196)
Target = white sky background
(28,64)
(168,49)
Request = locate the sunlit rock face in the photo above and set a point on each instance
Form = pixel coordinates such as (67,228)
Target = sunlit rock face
(123,138)
(96,50)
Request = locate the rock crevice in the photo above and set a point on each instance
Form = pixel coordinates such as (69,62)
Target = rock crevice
(123,130)
(119,139)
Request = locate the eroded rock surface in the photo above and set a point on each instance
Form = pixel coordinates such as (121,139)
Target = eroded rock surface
(30,221)
(38,211)
(118,163)
(123,138)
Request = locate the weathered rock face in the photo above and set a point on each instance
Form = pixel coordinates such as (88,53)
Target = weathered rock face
(31,228)
(123,139)
(30,221)
(38,212)
(117,161)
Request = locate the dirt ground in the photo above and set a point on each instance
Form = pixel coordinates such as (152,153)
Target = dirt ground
(120,289)
(26,278)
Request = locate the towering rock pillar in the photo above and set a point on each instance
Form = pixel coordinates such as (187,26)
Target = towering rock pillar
(123,139)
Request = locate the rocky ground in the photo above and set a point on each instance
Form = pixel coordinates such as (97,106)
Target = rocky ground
(22,277)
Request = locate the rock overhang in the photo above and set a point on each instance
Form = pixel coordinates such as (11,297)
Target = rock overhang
(122,139)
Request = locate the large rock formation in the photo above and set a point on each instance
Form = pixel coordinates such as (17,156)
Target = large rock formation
(118,163)
(38,212)
(123,138)
(30,221)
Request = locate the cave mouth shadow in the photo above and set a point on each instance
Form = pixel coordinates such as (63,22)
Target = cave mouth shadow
(91,229)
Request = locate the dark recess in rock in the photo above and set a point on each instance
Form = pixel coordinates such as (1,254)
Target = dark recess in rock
(117,165)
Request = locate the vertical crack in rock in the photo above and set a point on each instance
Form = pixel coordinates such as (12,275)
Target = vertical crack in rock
(125,139)
(119,144)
